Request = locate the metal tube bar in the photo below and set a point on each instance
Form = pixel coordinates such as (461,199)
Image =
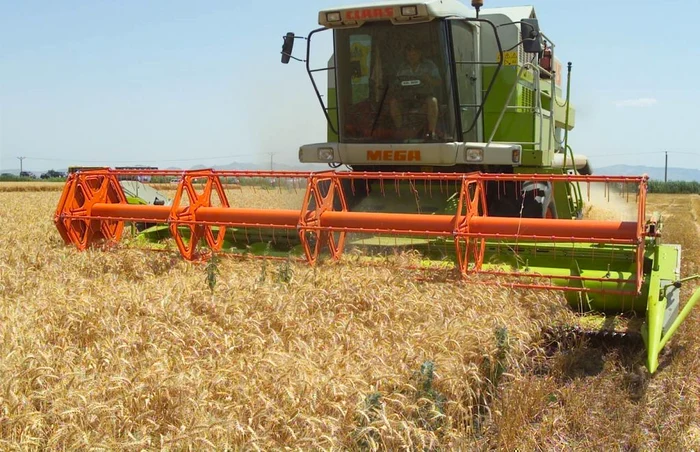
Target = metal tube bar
(390,222)
(132,211)
(231,216)
(561,275)
(213,215)
(596,230)
(198,173)
(368,175)
(398,222)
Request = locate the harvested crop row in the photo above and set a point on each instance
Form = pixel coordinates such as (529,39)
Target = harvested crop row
(30,186)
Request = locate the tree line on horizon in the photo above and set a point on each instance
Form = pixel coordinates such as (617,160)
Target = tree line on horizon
(674,187)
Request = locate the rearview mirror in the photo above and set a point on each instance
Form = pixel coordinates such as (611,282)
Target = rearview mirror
(530,35)
(287,47)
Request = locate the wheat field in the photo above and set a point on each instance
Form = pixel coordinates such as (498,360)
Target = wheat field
(133,350)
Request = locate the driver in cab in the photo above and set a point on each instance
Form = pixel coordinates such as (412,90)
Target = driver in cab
(416,68)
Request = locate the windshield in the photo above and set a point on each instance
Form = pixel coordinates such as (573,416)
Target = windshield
(394,84)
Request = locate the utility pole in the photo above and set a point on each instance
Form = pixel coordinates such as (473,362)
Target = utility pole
(272,154)
(21,168)
(666,169)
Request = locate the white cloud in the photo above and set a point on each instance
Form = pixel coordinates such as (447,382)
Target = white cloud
(636,103)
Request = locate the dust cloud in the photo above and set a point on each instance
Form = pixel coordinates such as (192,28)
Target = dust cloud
(609,202)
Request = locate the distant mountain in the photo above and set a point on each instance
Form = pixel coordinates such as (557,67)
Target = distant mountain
(684,174)
(276,166)
(246,166)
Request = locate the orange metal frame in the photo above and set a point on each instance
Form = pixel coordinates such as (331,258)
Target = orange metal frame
(93,210)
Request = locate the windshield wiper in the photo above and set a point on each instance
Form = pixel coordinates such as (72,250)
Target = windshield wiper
(379,112)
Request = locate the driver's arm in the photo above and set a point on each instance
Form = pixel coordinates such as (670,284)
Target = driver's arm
(432,74)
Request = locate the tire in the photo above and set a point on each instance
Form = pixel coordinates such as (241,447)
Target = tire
(551,211)
(539,202)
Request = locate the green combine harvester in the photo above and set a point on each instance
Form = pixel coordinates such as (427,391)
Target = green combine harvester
(452,126)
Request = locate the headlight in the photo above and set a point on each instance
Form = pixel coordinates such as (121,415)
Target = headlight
(409,10)
(333,17)
(325,154)
(474,155)
(516,155)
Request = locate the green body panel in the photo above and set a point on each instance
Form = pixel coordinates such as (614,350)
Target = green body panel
(565,204)
(518,125)
(652,330)
(565,260)
(134,200)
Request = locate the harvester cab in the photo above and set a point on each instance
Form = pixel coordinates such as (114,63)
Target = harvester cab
(436,86)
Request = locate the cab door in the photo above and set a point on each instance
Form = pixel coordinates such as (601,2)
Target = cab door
(465,52)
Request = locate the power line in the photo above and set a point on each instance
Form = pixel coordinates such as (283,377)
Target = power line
(642,153)
(621,154)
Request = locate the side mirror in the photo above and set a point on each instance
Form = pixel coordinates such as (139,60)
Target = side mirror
(287,47)
(530,35)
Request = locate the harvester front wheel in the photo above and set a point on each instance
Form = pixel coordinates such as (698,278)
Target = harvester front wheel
(538,202)
(532,208)
(551,211)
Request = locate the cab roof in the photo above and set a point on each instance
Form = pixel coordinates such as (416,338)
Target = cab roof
(357,14)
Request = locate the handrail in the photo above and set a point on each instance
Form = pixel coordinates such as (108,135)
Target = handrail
(683,314)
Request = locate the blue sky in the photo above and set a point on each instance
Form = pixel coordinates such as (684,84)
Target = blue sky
(179,83)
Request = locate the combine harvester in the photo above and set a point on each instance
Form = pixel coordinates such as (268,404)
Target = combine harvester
(454,124)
